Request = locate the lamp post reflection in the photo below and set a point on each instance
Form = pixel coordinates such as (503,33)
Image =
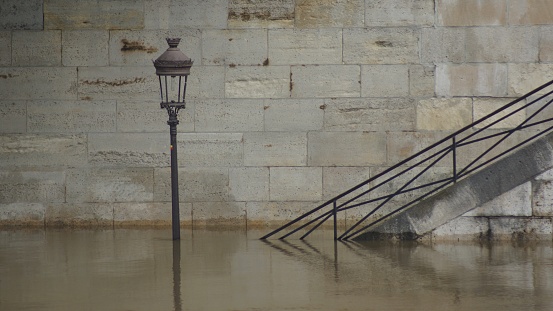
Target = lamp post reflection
(177,300)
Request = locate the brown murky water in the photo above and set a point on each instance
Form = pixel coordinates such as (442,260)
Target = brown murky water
(128,270)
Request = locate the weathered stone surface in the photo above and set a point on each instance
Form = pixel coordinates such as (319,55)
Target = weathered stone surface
(402,145)
(542,199)
(346,148)
(506,45)
(546,44)
(261,14)
(22,214)
(530,12)
(132,214)
(98,83)
(36,48)
(146,116)
(128,149)
(230,115)
(329,13)
(42,150)
(80,214)
(91,14)
(339,179)
(399,13)
(5,48)
(521,229)
(294,115)
(199,14)
(13,116)
(472,80)
(525,77)
(207,82)
(471,12)
(32,186)
(278,212)
(257,82)
(16,14)
(71,116)
(384,81)
(443,45)
(211,149)
(431,112)
(325,81)
(516,202)
(85,47)
(484,106)
(463,228)
(38,83)
(380,46)
(197,184)
(249,183)
(421,80)
(110,185)
(305,46)
(219,213)
(369,114)
(296,183)
(275,149)
(139,47)
(234,47)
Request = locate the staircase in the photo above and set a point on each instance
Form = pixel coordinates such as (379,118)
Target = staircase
(445,180)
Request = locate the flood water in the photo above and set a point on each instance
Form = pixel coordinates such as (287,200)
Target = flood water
(128,270)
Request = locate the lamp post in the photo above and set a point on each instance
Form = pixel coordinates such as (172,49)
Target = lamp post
(172,69)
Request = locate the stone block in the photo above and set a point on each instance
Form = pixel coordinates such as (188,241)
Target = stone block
(545,46)
(443,45)
(5,48)
(484,106)
(472,80)
(275,149)
(462,228)
(471,12)
(516,202)
(149,214)
(13,116)
(32,186)
(16,14)
(402,145)
(523,78)
(199,14)
(346,148)
(507,45)
(385,81)
(530,12)
(261,14)
(208,82)
(421,80)
(38,83)
(294,115)
(234,47)
(71,116)
(305,46)
(329,13)
(97,83)
(32,150)
(399,13)
(278,212)
(296,183)
(249,183)
(339,179)
(36,48)
(325,81)
(147,117)
(444,114)
(369,114)
(230,115)
(79,215)
(22,214)
(92,14)
(381,46)
(539,109)
(211,149)
(257,82)
(85,47)
(218,214)
(196,184)
(140,47)
(542,197)
(521,229)
(110,185)
(129,149)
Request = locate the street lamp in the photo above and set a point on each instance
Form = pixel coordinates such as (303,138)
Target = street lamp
(172,69)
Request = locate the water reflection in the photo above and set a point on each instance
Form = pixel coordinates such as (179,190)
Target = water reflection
(129,270)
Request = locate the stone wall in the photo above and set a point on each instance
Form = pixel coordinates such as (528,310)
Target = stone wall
(290,101)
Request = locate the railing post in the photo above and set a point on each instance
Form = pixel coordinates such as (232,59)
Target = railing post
(335,221)
(454,149)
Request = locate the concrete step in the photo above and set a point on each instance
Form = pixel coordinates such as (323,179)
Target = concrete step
(467,194)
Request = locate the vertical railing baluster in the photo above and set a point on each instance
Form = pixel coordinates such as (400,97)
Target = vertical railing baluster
(335,221)
(454,149)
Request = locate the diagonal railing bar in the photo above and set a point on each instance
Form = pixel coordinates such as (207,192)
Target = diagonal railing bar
(459,139)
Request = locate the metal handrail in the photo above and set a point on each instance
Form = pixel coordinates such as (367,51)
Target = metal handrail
(433,155)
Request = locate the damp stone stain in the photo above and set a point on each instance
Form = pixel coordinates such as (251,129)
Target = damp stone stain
(113,83)
(136,46)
